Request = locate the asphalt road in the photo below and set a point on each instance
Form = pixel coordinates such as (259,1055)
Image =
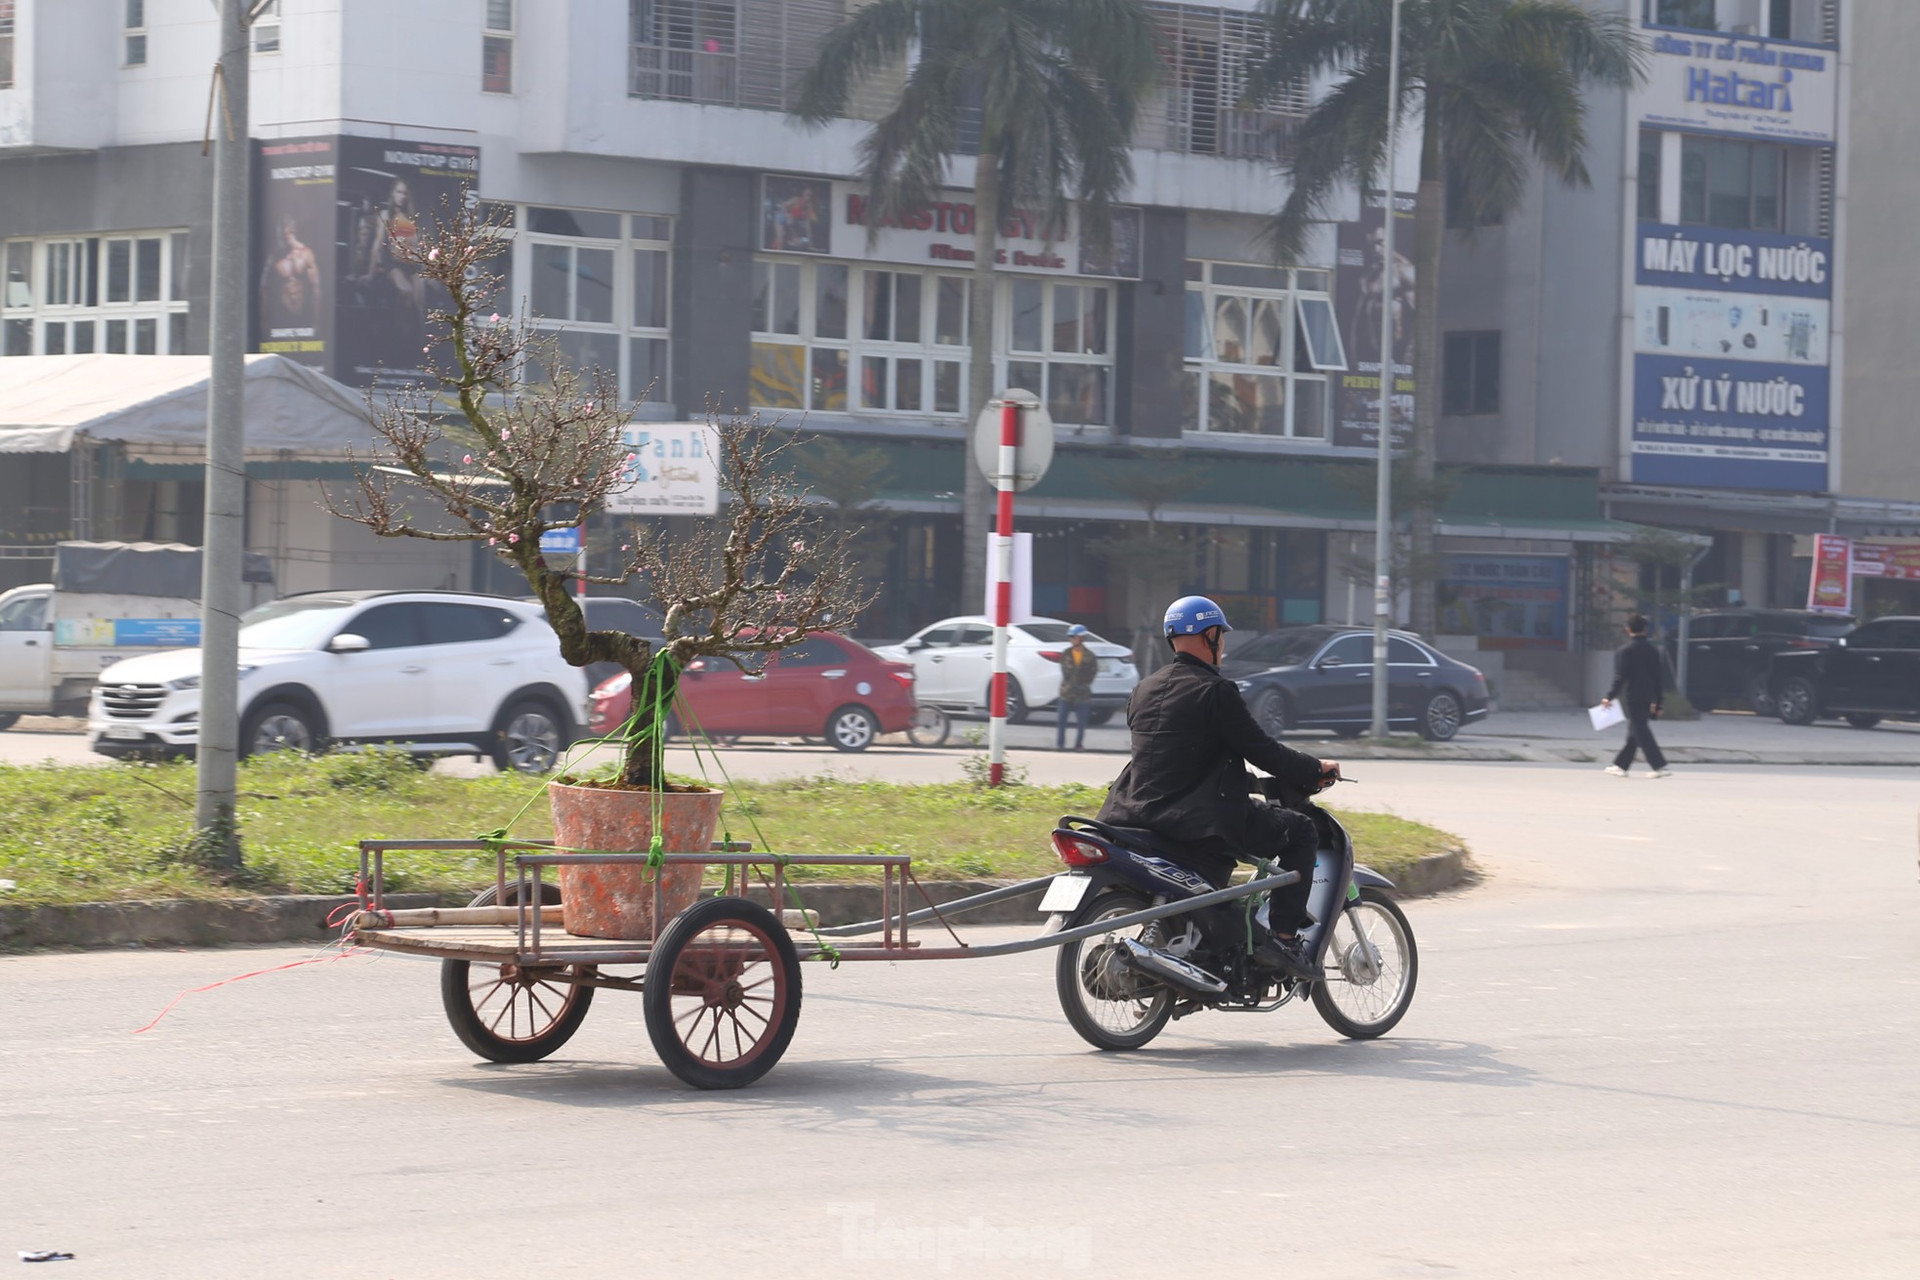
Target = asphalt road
(1673,1034)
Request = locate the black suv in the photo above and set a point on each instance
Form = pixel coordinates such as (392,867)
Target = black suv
(1728,653)
(1870,674)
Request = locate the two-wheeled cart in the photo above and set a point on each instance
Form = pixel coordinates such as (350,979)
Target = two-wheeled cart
(720,982)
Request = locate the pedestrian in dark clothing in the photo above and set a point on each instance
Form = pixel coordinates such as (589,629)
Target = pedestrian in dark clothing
(1187,780)
(1078,666)
(1639,679)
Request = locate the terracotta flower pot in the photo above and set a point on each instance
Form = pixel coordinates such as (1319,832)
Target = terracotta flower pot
(615,900)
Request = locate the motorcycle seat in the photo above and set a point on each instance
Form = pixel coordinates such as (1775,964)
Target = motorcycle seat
(1137,839)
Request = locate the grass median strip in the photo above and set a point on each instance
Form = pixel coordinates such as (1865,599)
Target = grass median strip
(93,834)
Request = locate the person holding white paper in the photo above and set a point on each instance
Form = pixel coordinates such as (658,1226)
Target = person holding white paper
(1639,680)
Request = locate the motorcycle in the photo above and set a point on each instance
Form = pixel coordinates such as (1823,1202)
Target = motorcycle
(1120,990)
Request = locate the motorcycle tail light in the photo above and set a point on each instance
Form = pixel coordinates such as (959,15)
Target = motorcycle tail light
(1077,853)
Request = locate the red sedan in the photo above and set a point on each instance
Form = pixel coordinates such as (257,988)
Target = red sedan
(825,686)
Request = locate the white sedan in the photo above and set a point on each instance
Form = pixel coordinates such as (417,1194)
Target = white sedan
(953,666)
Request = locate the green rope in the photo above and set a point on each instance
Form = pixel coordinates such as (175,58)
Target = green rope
(697,736)
(653,683)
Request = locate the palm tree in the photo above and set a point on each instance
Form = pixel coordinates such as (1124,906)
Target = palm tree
(1493,80)
(1057,84)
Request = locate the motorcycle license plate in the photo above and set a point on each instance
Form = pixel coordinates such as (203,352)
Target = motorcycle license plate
(1065,893)
(124,733)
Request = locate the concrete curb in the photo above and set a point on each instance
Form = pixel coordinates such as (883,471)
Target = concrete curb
(88,926)
(183,922)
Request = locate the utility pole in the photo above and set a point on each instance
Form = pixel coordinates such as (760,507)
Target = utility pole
(1383,488)
(217,755)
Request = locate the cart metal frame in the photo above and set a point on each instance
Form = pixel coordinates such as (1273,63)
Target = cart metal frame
(532,950)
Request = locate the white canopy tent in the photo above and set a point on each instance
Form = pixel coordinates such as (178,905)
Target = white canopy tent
(157,407)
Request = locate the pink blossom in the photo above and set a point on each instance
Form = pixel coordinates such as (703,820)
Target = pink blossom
(433,255)
(799,545)
(468,460)
(494,318)
(780,597)
(625,547)
(513,537)
(632,456)
(491,541)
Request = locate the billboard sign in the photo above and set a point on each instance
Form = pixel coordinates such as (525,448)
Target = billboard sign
(1830,586)
(1710,82)
(1732,338)
(328,212)
(387,192)
(1729,424)
(673,470)
(1356,299)
(293,235)
(1510,602)
(815,215)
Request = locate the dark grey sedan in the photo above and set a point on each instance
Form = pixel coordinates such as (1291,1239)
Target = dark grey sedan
(1321,677)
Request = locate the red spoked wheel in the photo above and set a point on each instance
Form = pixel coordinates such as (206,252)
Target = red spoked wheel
(722,993)
(506,1013)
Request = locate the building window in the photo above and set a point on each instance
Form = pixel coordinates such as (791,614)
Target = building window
(266,28)
(6,44)
(1649,180)
(685,50)
(75,295)
(1201,106)
(1472,373)
(1694,14)
(496,48)
(134,31)
(599,285)
(1460,215)
(847,339)
(1260,343)
(1731,184)
(1060,346)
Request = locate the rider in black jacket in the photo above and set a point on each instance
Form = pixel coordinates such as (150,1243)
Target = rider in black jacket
(1187,780)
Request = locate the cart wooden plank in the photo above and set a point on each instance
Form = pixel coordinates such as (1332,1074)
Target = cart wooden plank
(494,941)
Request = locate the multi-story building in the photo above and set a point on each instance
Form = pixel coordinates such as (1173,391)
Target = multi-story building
(1686,324)
(675,228)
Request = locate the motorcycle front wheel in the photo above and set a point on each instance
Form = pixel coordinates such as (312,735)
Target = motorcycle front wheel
(1106,1000)
(1372,967)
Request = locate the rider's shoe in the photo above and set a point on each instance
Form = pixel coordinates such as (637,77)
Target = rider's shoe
(1287,957)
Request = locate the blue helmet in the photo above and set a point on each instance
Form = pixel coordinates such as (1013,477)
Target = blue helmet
(1190,615)
(1077,630)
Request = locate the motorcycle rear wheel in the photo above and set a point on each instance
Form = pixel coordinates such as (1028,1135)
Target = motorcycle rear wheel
(1110,1005)
(1357,999)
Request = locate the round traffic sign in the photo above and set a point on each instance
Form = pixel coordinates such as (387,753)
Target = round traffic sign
(1034,450)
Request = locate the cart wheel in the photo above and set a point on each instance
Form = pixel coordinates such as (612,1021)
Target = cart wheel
(508,1014)
(722,993)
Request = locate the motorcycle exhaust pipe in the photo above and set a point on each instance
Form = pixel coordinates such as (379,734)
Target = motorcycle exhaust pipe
(1171,969)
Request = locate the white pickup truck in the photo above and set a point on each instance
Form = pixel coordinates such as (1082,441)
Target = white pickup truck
(108,602)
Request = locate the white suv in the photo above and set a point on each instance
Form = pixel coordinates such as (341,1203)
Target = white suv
(953,666)
(435,672)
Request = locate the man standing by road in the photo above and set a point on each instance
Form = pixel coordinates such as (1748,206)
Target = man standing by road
(1639,675)
(1078,665)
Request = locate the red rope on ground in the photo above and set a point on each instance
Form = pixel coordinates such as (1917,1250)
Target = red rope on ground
(297,964)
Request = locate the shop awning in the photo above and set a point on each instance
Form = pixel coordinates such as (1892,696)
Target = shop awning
(1271,490)
(157,406)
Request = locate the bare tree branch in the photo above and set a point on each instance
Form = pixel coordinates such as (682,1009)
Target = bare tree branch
(511,442)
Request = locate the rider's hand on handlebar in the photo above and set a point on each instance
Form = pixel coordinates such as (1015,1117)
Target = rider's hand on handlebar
(1329,774)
